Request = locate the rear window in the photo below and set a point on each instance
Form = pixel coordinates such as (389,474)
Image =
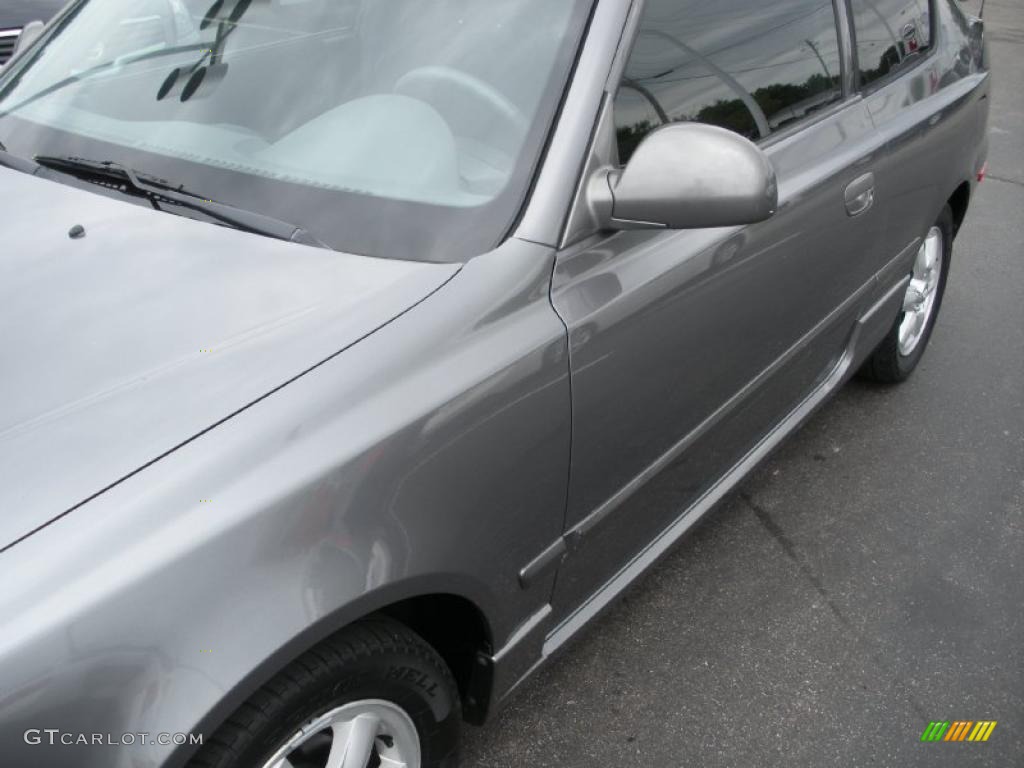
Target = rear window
(892,35)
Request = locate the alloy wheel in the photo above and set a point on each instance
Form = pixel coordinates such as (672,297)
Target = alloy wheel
(370,733)
(922,292)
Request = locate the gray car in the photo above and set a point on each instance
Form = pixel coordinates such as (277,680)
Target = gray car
(356,353)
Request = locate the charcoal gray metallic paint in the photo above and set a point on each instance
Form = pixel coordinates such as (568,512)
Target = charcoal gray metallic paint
(323,462)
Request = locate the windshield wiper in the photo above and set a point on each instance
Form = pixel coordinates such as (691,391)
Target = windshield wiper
(158,191)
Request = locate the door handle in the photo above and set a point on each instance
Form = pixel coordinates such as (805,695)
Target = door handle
(860,195)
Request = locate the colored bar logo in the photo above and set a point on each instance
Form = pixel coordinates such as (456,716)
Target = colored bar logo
(958,730)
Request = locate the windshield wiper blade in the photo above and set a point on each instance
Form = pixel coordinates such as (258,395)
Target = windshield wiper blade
(157,190)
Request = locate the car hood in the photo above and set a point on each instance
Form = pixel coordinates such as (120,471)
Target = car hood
(119,346)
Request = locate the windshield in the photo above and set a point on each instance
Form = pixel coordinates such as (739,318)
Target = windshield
(398,128)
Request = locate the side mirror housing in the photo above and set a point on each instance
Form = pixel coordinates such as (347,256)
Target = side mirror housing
(689,176)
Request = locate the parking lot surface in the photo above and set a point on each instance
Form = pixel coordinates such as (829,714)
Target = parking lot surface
(867,579)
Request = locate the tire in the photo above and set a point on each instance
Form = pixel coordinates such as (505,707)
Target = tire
(892,362)
(375,666)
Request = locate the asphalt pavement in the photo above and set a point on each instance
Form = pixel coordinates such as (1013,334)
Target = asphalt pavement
(867,579)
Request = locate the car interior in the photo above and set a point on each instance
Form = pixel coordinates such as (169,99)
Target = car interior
(414,99)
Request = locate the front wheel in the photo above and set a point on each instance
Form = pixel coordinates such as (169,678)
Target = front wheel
(375,695)
(902,349)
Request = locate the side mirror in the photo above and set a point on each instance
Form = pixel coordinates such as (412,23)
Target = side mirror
(28,35)
(689,176)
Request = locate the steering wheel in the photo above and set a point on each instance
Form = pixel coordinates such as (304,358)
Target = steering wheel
(422,79)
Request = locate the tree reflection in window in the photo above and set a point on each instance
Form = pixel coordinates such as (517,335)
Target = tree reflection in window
(750,67)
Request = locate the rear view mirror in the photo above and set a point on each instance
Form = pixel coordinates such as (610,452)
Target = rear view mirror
(691,176)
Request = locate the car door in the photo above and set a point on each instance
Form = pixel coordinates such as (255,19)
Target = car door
(922,84)
(688,347)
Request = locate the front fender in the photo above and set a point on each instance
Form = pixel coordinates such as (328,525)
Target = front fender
(430,458)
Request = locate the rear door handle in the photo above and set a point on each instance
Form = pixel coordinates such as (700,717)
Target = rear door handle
(860,195)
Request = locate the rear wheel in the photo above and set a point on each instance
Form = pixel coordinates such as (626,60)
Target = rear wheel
(374,696)
(902,349)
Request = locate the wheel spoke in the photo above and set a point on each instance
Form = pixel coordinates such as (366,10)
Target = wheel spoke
(353,742)
(917,291)
(921,262)
(933,258)
(932,248)
(910,328)
(905,334)
(355,735)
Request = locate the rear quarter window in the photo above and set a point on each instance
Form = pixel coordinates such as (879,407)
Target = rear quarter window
(892,35)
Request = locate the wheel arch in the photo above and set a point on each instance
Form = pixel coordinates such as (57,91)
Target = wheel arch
(959,202)
(451,621)
(458,630)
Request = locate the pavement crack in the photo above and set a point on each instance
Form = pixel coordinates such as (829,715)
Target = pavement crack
(1004,180)
(773,528)
(789,548)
